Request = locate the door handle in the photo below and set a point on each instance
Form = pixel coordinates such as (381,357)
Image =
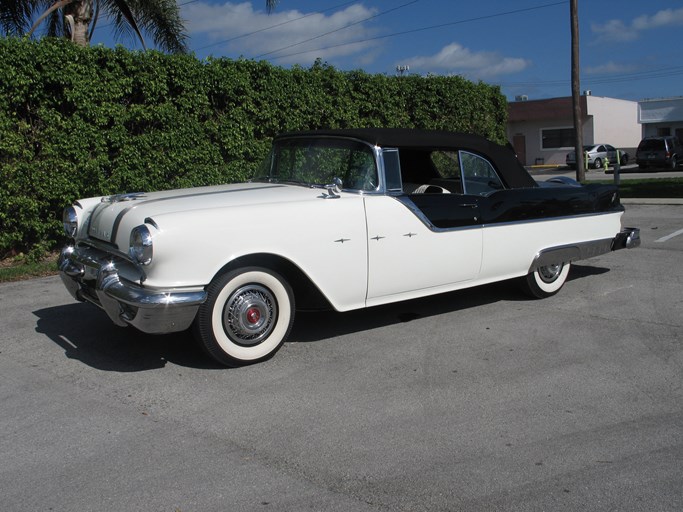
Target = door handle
(468,205)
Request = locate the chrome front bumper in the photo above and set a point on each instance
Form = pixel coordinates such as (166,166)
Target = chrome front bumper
(94,276)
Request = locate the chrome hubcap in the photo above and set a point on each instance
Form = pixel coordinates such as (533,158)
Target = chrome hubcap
(250,314)
(550,273)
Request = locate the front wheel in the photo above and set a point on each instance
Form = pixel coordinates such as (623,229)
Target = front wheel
(545,281)
(246,317)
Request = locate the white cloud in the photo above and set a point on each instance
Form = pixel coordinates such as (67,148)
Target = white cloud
(456,59)
(230,28)
(661,19)
(616,30)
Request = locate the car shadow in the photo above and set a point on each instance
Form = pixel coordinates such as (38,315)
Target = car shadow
(320,325)
(87,335)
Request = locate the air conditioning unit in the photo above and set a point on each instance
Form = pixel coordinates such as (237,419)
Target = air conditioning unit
(521,97)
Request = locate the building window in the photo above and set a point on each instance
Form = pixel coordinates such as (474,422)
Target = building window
(557,138)
(663,132)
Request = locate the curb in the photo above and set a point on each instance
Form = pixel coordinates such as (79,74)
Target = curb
(652,200)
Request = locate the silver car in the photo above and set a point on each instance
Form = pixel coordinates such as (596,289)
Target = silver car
(596,154)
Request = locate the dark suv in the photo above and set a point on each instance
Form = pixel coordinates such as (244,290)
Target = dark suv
(659,152)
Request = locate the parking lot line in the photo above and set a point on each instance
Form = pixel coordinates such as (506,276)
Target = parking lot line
(669,237)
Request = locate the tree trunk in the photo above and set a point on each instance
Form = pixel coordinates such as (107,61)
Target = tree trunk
(81,13)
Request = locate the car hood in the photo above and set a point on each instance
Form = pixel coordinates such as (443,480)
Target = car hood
(120,213)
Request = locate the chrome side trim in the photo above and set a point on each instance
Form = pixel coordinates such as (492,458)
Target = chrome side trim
(569,253)
(628,238)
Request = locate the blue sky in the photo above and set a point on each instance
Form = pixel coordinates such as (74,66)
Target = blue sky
(629,49)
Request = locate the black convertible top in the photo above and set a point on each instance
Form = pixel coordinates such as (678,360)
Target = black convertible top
(512,172)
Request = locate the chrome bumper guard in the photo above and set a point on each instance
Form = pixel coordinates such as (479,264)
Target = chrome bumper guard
(93,276)
(629,238)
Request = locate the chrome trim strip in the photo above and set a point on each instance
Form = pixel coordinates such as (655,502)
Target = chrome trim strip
(628,238)
(131,198)
(571,252)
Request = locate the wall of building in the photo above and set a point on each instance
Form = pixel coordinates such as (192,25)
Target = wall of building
(661,117)
(532,130)
(615,122)
(605,120)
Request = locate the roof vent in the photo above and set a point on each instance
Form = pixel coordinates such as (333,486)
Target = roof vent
(587,92)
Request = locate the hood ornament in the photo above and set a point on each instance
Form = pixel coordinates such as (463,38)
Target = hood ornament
(123,197)
(334,188)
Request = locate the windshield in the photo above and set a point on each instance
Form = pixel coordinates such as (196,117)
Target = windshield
(318,161)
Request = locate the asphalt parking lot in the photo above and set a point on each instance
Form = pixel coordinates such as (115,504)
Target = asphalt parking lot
(479,400)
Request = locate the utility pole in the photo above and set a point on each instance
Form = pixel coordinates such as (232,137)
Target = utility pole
(576,91)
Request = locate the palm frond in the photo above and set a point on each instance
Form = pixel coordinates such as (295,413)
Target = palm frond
(124,12)
(270,5)
(16,16)
(160,19)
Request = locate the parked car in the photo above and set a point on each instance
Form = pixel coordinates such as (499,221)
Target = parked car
(596,154)
(345,219)
(659,152)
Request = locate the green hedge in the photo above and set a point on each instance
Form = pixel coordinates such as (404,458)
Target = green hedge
(78,122)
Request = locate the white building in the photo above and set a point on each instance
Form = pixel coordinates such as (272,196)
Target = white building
(661,117)
(541,131)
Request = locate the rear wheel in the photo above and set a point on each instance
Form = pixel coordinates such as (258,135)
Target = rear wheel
(247,316)
(673,163)
(597,163)
(545,281)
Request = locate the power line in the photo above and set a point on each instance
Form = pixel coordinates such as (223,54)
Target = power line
(431,27)
(616,78)
(273,26)
(338,29)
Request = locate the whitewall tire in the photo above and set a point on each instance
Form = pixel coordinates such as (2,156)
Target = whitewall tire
(246,317)
(546,281)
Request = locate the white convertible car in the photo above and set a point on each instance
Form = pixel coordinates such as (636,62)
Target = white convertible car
(344,219)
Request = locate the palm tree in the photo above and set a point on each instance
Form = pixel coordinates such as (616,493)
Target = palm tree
(76,19)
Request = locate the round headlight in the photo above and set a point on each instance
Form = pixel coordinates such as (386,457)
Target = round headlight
(70,220)
(141,245)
